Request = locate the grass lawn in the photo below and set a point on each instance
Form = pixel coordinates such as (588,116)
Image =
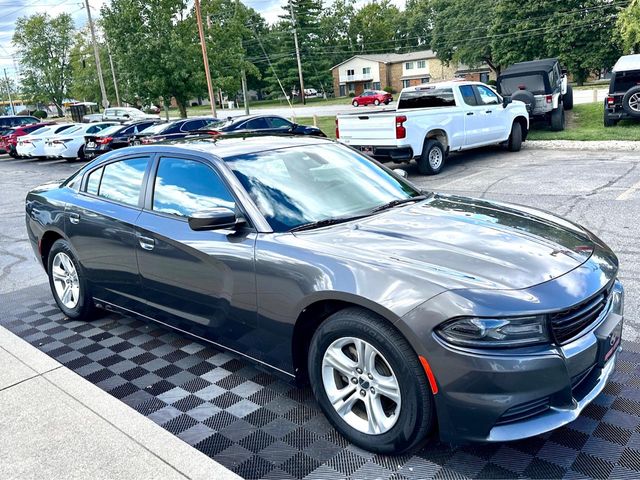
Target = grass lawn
(585,122)
(258,104)
(326,124)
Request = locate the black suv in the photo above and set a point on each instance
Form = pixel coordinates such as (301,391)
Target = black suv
(623,100)
(542,85)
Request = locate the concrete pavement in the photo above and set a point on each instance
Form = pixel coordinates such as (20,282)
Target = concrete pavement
(55,424)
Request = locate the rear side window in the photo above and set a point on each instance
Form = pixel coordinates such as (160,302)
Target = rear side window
(277,122)
(468,96)
(193,125)
(256,124)
(427,98)
(183,187)
(122,181)
(93,181)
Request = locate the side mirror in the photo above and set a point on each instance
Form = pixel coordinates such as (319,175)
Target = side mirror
(506,101)
(400,172)
(564,71)
(214,219)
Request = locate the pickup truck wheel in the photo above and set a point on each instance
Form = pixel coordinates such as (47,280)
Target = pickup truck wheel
(515,139)
(355,103)
(557,119)
(376,102)
(432,159)
(567,98)
(370,383)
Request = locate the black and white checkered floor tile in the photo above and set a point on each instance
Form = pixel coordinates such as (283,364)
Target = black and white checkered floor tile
(261,427)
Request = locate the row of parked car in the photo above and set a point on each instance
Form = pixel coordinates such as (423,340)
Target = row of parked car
(84,141)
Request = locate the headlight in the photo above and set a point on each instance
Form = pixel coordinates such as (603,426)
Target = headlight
(495,332)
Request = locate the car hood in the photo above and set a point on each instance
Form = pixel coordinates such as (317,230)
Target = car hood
(459,242)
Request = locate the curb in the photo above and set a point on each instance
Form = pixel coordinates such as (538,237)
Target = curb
(608,145)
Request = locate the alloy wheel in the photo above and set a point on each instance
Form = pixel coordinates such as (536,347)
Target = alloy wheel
(361,385)
(65,280)
(634,102)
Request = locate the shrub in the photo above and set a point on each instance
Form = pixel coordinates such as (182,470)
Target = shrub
(389,89)
(352,94)
(40,114)
(493,83)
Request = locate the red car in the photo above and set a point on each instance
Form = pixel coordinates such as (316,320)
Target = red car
(375,97)
(9,139)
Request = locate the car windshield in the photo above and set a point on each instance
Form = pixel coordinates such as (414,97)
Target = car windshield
(300,185)
(623,81)
(157,128)
(533,83)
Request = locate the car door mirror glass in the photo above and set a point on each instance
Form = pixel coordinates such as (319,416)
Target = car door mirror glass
(400,172)
(213,219)
(506,101)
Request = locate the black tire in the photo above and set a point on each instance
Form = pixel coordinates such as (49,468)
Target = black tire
(426,167)
(355,103)
(610,122)
(526,97)
(514,144)
(567,98)
(85,308)
(630,102)
(376,102)
(415,418)
(387,102)
(557,119)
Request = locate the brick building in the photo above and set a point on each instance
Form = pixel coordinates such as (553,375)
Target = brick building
(377,71)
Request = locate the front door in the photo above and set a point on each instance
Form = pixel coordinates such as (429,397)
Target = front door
(202,282)
(100,226)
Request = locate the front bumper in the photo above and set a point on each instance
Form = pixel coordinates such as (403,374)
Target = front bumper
(509,394)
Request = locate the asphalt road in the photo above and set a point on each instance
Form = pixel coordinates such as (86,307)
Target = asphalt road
(600,190)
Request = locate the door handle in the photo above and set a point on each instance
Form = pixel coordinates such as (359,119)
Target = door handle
(146,243)
(74,218)
(469,113)
(489,111)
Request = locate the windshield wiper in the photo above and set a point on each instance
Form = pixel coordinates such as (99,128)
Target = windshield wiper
(395,203)
(324,223)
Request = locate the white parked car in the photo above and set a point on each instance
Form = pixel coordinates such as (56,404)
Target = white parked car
(434,119)
(32,145)
(125,114)
(69,144)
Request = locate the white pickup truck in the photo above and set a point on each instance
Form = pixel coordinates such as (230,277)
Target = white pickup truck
(432,120)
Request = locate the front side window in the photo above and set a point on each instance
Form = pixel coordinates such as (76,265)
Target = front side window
(295,186)
(256,124)
(183,187)
(487,96)
(122,180)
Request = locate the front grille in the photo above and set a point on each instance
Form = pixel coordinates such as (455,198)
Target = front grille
(524,411)
(568,323)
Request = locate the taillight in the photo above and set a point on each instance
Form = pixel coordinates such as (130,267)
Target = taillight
(213,132)
(611,100)
(103,140)
(401,132)
(549,98)
(337,129)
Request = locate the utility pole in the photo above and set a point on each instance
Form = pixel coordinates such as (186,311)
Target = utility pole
(103,90)
(245,95)
(113,74)
(6,78)
(205,58)
(295,39)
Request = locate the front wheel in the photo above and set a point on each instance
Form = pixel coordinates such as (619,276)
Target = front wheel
(68,284)
(515,138)
(370,383)
(355,103)
(432,159)
(376,102)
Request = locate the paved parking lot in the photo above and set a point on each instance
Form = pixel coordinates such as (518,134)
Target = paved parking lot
(600,190)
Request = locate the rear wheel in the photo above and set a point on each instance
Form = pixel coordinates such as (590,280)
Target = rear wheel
(610,122)
(376,102)
(355,103)
(557,119)
(432,159)
(68,284)
(369,382)
(515,138)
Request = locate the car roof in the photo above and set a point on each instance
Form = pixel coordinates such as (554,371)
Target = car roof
(627,63)
(231,146)
(544,65)
(445,84)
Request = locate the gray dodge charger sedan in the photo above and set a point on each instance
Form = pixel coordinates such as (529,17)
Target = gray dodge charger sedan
(407,311)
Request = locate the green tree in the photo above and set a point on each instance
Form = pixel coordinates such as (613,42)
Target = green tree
(583,35)
(335,23)
(418,15)
(375,27)
(156,45)
(629,27)
(44,44)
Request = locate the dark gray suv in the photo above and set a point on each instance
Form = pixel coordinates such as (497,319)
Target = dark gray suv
(404,309)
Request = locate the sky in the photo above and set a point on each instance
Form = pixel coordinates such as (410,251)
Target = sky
(11,10)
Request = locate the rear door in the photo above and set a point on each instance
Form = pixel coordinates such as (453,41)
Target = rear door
(199,281)
(100,226)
